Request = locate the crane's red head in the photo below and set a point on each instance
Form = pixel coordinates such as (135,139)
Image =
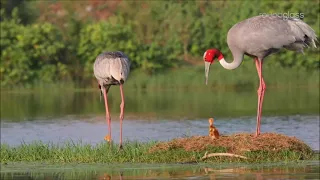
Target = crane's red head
(210,54)
(208,58)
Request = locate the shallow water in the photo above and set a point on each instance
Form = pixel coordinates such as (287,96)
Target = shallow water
(92,130)
(57,116)
(158,116)
(304,170)
(157,105)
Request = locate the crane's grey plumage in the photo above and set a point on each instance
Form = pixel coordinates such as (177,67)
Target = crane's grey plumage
(258,37)
(261,36)
(112,68)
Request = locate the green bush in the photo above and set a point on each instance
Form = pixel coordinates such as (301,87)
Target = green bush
(30,53)
(156,35)
(105,36)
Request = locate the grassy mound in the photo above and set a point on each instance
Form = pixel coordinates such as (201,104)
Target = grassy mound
(267,146)
(236,143)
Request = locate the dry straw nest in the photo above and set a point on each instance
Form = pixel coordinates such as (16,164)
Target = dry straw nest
(236,143)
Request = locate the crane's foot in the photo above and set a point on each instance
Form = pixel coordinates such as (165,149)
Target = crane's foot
(256,134)
(121,175)
(120,147)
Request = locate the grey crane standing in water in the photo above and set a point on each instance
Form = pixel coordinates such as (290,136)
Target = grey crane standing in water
(258,37)
(112,68)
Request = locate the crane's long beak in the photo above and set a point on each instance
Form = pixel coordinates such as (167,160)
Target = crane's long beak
(100,92)
(207,69)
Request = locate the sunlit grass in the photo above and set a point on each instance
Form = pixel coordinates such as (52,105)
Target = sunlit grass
(173,94)
(133,152)
(161,104)
(245,77)
(192,77)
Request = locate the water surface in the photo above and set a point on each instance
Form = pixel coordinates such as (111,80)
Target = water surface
(303,170)
(92,130)
(59,116)
(158,104)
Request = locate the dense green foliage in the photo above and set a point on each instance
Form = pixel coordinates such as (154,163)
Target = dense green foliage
(58,40)
(31,52)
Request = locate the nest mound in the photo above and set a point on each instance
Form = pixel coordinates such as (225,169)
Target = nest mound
(236,143)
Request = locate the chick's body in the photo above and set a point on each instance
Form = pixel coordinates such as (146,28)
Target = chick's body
(213,131)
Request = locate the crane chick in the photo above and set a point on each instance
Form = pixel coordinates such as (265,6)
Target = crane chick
(213,131)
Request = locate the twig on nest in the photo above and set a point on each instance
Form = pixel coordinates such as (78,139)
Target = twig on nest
(206,155)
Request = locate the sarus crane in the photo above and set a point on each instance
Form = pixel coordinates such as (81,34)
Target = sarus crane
(259,37)
(112,68)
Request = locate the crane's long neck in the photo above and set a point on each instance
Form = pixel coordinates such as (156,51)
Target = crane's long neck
(237,60)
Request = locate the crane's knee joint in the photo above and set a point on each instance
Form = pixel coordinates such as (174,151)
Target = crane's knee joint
(122,105)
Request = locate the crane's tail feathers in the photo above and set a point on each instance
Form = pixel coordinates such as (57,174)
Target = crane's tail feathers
(310,35)
(298,47)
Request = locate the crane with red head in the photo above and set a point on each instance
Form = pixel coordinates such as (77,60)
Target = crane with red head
(259,37)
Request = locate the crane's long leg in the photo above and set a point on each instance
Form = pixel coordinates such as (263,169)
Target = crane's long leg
(121,115)
(261,91)
(108,118)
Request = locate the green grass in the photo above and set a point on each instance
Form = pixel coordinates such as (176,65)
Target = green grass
(133,152)
(245,77)
(174,93)
(198,103)
(192,77)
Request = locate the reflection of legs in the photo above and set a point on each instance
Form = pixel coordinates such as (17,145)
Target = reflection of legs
(121,114)
(261,91)
(108,118)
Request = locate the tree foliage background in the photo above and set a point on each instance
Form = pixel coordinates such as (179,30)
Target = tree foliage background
(51,41)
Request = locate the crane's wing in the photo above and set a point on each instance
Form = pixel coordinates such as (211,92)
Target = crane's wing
(111,66)
(262,33)
(301,29)
(120,66)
